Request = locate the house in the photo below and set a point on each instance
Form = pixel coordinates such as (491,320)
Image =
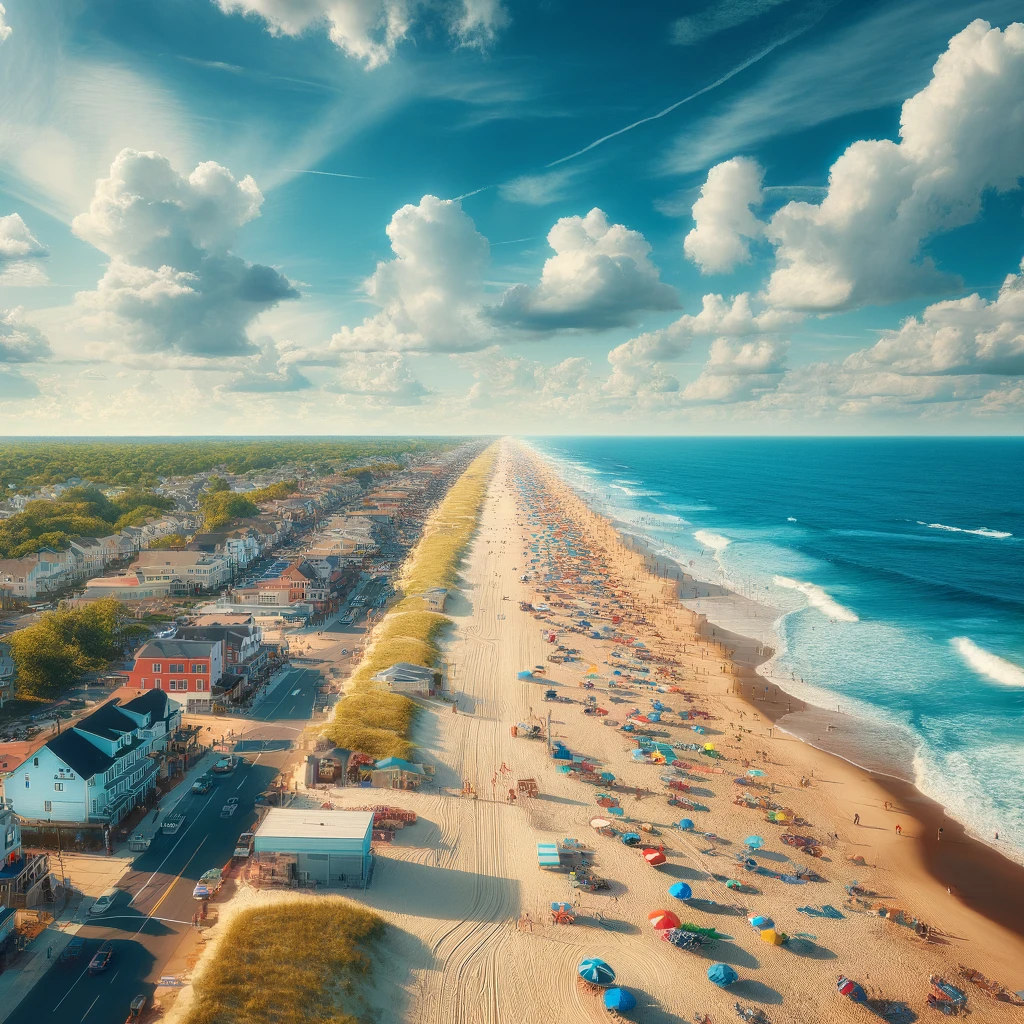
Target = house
(132,587)
(197,569)
(21,577)
(90,554)
(328,848)
(7,673)
(99,768)
(244,653)
(240,548)
(188,669)
(394,773)
(434,599)
(408,679)
(23,876)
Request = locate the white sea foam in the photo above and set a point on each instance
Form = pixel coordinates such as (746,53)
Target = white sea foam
(712,540)
(635,483)
(790,519)
(999,670)
(635,493)
(982,531)
(818,598)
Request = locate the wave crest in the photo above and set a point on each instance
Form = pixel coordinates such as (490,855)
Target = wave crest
(982,531)
(712,540)
(987,664)
(818,598)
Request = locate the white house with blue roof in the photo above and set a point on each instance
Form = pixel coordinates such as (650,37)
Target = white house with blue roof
(100,767)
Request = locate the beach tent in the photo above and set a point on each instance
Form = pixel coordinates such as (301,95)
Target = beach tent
(525,674)
(619,999)
(547,855)
(680,890)
(662,919)
(685,824)
(630,838)
(772,937)
(607,777)
(596,971)
(851,989)
(753,842)
(759,922)
(654,857)
(722,975)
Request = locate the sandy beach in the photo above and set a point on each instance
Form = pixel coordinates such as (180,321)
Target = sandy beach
(472,937)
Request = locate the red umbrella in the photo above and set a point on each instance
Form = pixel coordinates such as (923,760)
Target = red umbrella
(662,920)
(654,857)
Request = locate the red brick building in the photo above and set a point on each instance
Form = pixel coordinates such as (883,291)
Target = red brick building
(181,667)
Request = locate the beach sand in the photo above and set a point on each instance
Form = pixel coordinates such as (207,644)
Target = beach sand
(472,939)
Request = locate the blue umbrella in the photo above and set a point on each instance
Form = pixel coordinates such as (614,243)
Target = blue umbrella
(753,842)
(760,922)
(596,971)
(685,824)
(629,838)
(619,999)
(722,975)
(680,890)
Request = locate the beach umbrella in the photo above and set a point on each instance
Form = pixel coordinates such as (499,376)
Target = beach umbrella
(850,989)
(759,922)
(607,777)
(654,716)
(630,838)
(709,746)
(596,971)
(617,811)
(771,936)
(685,824)
(662,919)
(755,773)
(599,822)
(753,842)
(680,890)
(619,999)
(722,975)
(654,857)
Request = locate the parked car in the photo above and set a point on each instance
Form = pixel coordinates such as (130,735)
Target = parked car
(203,784)
(73,950)
(102,959)
(105,901)
(224,766)
(208,885)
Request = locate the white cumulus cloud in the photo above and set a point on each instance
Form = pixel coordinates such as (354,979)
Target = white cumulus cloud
(21,342)
(962,336)
(739,371)
(380,379)
(5,29)
(430,293)
(173,285)
(20,251)
(724,223)
(600,277)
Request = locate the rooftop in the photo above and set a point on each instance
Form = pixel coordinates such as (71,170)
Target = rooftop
(288,823)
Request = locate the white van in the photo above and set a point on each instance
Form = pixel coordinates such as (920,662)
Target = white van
(105,902)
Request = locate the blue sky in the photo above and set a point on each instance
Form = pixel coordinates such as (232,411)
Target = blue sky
(319,216)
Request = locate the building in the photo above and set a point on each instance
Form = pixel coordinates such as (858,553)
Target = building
(199,570)
(133,587)
(24,877)
(98,768)
(434,599)
(244,653)
(20,577)
(408,679)
(187,669)
(325,848)
(7,673)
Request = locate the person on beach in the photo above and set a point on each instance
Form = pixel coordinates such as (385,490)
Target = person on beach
(899,830)
(938,837)
(856,819)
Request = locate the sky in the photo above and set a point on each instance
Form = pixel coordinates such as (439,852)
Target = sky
(511,216)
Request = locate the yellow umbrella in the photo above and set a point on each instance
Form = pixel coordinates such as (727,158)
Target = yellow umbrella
(771,936)
(709,746)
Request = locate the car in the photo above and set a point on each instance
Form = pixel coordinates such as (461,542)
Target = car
(73,950)
(203,784)
(104,902)
(224,766)
(208,885)
(102,959)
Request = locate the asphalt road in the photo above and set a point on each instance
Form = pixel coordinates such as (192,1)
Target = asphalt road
(154,914)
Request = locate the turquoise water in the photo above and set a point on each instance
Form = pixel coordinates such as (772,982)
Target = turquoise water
(897,565)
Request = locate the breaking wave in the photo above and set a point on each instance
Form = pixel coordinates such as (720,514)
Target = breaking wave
(712,540)
(818,598)
(982,531)
(999,670)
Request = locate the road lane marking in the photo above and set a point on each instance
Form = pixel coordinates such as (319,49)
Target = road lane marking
(66,994)
(115,975)
(169,852)
(91,1005)
(167,891)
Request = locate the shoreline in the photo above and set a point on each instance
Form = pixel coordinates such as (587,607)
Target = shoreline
(984,879)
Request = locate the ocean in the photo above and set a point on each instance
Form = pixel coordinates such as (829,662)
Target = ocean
(896,566)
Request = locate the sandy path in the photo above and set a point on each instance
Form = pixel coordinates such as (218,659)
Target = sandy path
(458,884)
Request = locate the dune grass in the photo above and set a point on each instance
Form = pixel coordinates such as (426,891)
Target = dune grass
(369,719)
(299,962)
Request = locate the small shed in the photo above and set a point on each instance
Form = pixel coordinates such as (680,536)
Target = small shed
(407,678)
(434,599)
(328,848)
(394,773)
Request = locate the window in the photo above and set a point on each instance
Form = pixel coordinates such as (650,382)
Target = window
(28,781)
(156,666)
(35,762)
(176,668)
(58,787)
(200,684)
(198,668)
(158,684)
(47,805)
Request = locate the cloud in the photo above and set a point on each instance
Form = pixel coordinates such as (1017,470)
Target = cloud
(538,189)
(267,374)
(717,317)
(19,251)
(739,372)
(15,386)
(172,284)
(963,336)
(722,216)
(5,29)
(370,30)
(719,16)
(516,383)
(959,136)
(430,294)
(21,342)
(600,277)
(383,380)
